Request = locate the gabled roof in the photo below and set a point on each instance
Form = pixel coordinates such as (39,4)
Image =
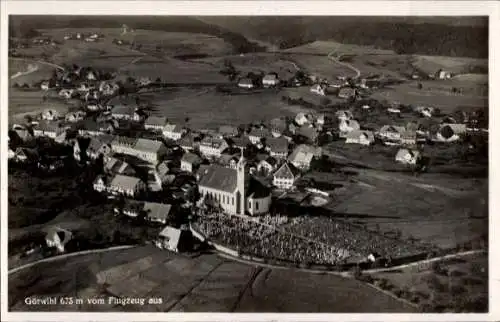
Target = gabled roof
(356,134)
(187,140)
(97,142)
(114,165)
(219,178)
(157,210)
(191,158)
(31,154)
(173,128)
(48,126)
(277,145)
(123,110)
(259,132)
(242,141)
(286,171)
(228,130)
(173,235)
(148,145)
(302,153)
(392,128)
(402,152)
(245,81)
(270,77)
(213,142)
(256,189)
(156,121)
(125,182)
(124,141)
(270,160)
(309,132)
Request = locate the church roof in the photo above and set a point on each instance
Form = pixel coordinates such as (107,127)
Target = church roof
(219,178)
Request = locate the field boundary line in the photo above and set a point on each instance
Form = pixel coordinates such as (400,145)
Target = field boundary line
(55,258)
(393,295)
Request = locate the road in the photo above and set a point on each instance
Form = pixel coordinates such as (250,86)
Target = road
(38,62)
(337,61)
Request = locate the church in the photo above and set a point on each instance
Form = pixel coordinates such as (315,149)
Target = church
(234,190)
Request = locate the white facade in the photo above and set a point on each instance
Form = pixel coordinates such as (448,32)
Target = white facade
(283,183)
(257,206)
(213,151)
(407,157)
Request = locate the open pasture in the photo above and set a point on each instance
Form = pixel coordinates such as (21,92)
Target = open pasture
(217,109)
(455,65)
(321,47)
(23,71)
(436,94)
(30,102)
(209,283)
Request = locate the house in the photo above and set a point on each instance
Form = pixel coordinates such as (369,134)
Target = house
(79,147)
(107,88)
(173,131)
(50,115)
(229,160)
(302,118)
(360,137)
(277,147)
(442,74)
(257,134)
(391,132)
(302,156)
(26,155)
(309,132)
(347,126)
(89,127)
(162,170)
(245,83)
(408,137)
(157,212)
(58,238)
(47,84)
(190,162)
(66,93)
(321,120)
(393,110)
(92,95)
(337,83)
(227,131)
(285,176)
(74,116)
(450,132)
(212,147)
(241,142)
(188,142)
(126,112)
(235,191)
(155,123)
(425,111)
(148,150)
(99,146)
(407,156)
(23,134)
(11,154)
(126,185)
(266,166)
(170,238)
(114,166)
(48,129)
(344,115)
(270,80)
(319,89)
(85,87)
(347,92)
(277,126)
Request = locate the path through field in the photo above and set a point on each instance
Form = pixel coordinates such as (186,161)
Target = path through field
(337,61)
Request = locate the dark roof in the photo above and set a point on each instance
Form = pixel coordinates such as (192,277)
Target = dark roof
(257,189)
(191,158)
(259,132)
(279,145)
(228,130)
(242,141)
(272,161)
(220,178)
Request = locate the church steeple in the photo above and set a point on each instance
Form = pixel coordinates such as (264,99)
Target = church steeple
(241,182)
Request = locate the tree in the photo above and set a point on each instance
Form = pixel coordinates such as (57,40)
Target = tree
(420,86)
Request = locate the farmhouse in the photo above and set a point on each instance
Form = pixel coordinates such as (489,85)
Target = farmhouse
(23,134)
(48,129)
(157,212)
(190,162)
(409,137)
(347,126)
(245,83)
(126,113)
(360,137)
(393,110)
(270,80)
(148,150)
(171,238)
(99,146)
(74,116)
(66,93)
(234,190)
(407,156)
(303,118)
(266,166)
(442,74)
(257,134)
(450,132)
(126,185)
(285,176)
(319,89)
(391,132)
(107,88)
(347,92)
(212,147)
(58,238)
(302,156)
(173,131)
(241,142)
(26,155)
(89,127)
(50,115)
(344,115)
(114,166)
(278,126)
(277,147)
(188,142)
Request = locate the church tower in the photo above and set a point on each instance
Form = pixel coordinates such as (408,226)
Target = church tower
(241,184)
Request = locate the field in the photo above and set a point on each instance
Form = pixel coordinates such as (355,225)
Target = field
(450,285)
(217,109)
(455,65)
(25,71)
(436,94)
(326,47)
(202,284)
(30,102)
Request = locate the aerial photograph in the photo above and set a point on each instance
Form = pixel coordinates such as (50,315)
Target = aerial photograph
(248,164)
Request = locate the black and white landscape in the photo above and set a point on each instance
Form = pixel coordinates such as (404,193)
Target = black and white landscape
(248,164)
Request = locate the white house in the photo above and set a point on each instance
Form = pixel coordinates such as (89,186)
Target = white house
(302,156)
(74,116)
(48,129)
(407,156)
(270,80)
(155,123)
(245,83)
(391,132)
(319,89)
(257,134)
(66,93)
(442,74)
(302,118)
(212,147)
(267,166)
(190,162)
(126,185)
(277,147)
(347,126)
(235,191)
(169,239)
(57,238)
(173,131)
(360,137)
(285,176)
(148,150)
(50,115)
(344,115)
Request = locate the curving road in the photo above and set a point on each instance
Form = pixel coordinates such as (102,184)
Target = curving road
(337,61)
(38,62)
